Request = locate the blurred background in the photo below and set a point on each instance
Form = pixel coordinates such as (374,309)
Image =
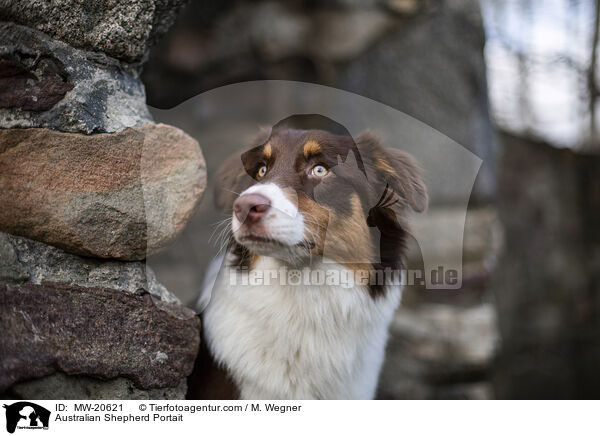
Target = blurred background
(516,83)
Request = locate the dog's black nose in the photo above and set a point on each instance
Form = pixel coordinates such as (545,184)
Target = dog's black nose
(251,207)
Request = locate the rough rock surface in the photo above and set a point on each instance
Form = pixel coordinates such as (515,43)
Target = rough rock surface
(121,29)
(46,83)
(120,195)
(115,334)
(82,327)
(25,261)
(60,386)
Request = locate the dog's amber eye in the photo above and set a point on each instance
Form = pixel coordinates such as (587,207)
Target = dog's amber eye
(261,171)
(319,171)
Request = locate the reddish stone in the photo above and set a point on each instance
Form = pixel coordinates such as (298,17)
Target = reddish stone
(122,195)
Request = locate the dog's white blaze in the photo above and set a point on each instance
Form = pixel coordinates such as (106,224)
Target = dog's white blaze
(299,342)
(282,222)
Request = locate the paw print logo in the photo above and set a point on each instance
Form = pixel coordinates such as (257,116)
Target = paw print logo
(294,277)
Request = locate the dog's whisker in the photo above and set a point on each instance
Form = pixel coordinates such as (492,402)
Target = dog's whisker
(219,226)
(233,192)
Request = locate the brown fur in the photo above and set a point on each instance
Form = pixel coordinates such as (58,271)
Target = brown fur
(362,200)
(344,210)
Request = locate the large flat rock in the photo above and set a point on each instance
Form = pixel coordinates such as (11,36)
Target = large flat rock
(116,334)
(121,195)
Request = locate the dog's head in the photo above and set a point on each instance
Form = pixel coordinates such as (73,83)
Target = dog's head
(301,192)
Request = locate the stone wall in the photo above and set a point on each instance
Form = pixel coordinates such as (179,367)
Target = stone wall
(90,186)
(94,186)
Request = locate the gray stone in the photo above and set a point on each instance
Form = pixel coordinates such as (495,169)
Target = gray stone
(25,261)
(11,269)
(60,386)
(64,88)
(121,29)
(96,332)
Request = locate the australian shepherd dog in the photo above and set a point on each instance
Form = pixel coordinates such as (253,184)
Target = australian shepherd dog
(310,206)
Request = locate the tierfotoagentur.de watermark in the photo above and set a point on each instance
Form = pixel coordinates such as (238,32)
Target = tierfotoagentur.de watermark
(345,277)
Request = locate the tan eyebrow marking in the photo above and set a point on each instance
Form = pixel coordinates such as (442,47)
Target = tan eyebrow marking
(311,147)
(268,151)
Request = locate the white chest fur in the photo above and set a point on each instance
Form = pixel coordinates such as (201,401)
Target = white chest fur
(299,342)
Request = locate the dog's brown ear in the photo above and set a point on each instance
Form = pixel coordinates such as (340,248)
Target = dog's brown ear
(231,179)
(405,176)
(399,170)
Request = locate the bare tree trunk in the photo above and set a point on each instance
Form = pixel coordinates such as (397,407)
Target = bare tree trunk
(592,86)
(547,281)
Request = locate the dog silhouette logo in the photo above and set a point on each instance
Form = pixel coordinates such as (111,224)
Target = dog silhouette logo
(26,415)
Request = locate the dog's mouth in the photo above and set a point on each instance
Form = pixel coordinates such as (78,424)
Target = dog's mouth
(263,240)
(259,239)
